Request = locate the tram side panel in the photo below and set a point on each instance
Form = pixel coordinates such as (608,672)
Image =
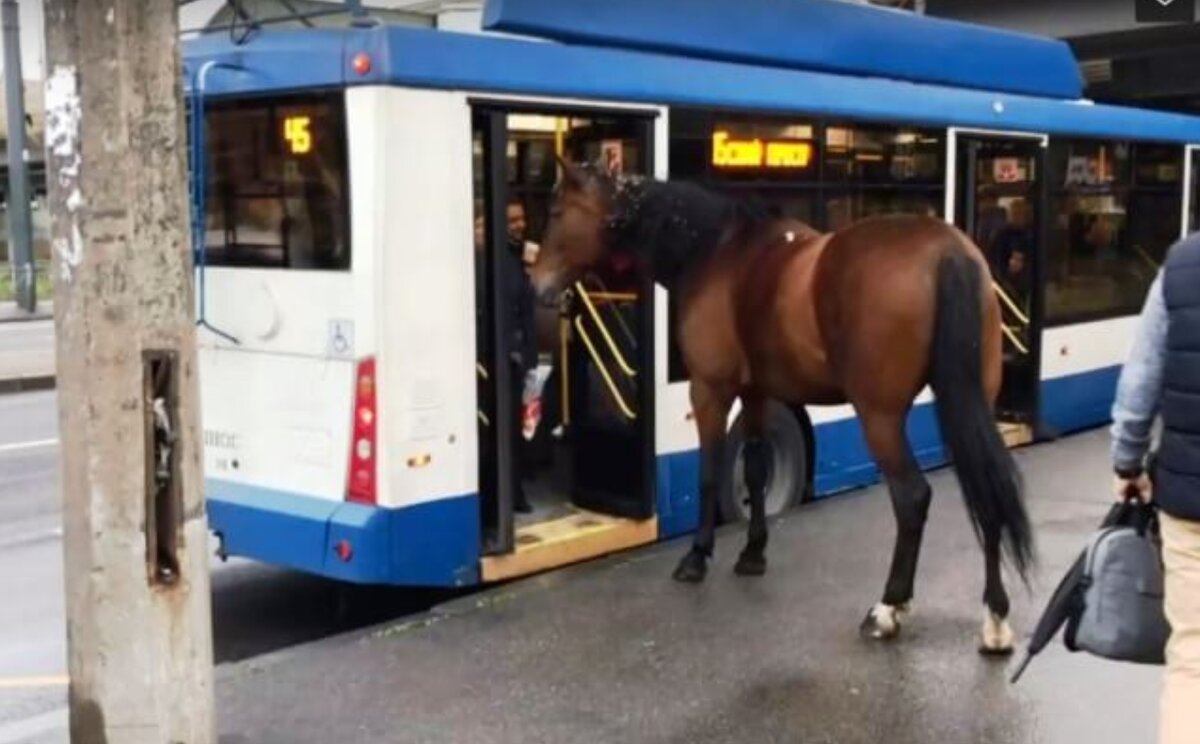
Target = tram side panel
(285,325)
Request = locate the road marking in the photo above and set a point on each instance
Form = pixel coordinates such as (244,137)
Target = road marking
(25,446)
(51,680)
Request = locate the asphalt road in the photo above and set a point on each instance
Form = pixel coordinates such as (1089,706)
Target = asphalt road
(26,349)
(256,608)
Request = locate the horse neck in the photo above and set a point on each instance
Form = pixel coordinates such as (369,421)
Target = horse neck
(676,228)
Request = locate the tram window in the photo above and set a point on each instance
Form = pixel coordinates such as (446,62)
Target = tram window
(276,193)
(871,170)
(883,155)
(1116,208)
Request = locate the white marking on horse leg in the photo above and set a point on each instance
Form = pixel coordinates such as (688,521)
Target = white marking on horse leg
(888,619)
(997,634)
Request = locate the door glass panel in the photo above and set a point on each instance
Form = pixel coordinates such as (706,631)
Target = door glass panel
(1194,186)
(999,198)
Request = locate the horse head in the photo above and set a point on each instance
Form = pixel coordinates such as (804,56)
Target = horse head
(577,236)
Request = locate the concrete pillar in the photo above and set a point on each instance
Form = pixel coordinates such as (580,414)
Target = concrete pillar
(135,538)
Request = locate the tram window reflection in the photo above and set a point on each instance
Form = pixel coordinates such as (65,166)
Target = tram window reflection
(1116,211)
(276,194)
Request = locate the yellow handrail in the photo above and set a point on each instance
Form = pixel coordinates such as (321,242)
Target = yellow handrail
(1011,305)
(612,386)
(614,296)
(612,345)
(601,293)
(1012,336)
(1146,258)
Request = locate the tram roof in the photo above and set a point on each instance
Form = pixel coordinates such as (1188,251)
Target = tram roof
(304,59)
(828,35)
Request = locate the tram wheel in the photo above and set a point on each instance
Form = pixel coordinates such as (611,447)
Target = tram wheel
(788,437)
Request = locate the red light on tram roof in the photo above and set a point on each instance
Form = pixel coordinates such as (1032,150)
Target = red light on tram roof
(344,550)
(362,63)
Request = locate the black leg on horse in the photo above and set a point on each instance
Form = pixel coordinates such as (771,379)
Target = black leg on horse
(753,561)
(911,496)
(997,637)
(710,410)
(694,566)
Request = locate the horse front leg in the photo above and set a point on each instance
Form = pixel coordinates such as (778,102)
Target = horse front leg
(711,410)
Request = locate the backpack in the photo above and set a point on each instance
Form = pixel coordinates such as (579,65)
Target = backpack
(1117,611)
(1111,598)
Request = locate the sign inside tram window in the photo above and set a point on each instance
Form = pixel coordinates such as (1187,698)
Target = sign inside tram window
(297,132)
(1007,170)
(728,152)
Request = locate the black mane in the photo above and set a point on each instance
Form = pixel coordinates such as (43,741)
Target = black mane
(677,224)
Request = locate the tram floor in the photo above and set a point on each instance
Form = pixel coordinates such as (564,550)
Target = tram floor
(615,651)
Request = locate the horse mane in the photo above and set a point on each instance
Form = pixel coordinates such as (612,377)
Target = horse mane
(677,225)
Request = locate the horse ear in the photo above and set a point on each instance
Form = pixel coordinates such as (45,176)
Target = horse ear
(572,176)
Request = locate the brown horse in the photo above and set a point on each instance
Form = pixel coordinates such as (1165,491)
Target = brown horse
(767,308)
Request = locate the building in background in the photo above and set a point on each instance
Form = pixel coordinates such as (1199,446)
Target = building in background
(1123,61)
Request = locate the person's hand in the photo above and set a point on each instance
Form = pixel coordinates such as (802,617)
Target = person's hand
(1138,488)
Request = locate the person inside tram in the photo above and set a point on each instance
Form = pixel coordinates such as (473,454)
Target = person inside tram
(1010,250)
(519,255)
(992,217)
(514,277)
(1161,376)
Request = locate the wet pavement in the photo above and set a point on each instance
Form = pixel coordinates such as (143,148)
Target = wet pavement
(614,651)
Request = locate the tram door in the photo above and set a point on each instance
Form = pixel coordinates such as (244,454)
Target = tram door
(591,454)
(1001,205)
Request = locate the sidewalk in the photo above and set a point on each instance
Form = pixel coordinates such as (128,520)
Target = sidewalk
(615,651)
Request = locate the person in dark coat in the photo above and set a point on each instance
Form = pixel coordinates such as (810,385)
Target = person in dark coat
(523,346)
(1162,375)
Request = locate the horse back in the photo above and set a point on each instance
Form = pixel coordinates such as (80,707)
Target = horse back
(876,301)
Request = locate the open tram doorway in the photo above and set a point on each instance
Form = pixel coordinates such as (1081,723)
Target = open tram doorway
(579,481)
(1001,205)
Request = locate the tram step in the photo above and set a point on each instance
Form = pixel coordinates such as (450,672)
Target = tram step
(1014,434)
(559,542)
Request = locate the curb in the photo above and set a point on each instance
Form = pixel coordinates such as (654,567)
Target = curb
(27,384)
(5,318)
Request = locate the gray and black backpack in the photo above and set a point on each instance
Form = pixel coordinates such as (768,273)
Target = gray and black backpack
(1118,607)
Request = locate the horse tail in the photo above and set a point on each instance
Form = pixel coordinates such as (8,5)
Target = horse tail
(991,483)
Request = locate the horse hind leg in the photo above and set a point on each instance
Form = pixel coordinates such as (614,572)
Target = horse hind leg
(911,496)
(997,634)
(753,560)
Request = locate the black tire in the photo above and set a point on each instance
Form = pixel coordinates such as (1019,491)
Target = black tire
(788,437)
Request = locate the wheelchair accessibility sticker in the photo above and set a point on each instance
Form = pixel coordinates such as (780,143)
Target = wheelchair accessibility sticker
(341,339)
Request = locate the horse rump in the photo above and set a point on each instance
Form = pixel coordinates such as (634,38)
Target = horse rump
(991,484)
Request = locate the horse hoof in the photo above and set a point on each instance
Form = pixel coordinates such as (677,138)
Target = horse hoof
(883,621)
(692,569)
(997,637)
(750,565)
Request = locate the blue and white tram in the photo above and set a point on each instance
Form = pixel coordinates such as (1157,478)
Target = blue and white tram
(358,188)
